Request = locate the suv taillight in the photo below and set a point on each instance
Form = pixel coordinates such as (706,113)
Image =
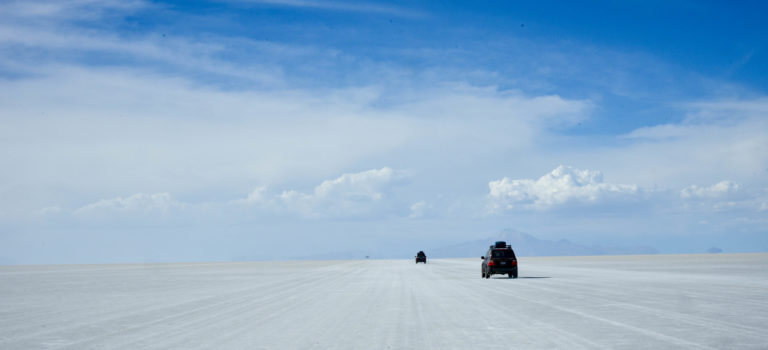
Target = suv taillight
(491,263)
(514,262)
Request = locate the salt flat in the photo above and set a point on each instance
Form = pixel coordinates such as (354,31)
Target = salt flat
(614,302)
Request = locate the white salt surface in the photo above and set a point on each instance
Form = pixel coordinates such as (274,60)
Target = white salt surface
(622,302)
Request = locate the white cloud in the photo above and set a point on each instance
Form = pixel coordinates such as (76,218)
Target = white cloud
(256,196)
(562,185)
(350,195)
(65,9)
(718,190)
(155,117)
(354,6)
(418,209)
(364,185)
(101,130)
(716,140)
(137,203)
(724,195)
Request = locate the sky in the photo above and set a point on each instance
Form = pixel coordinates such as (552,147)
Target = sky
(142,131)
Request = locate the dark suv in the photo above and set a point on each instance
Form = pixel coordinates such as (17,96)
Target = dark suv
(421,257)
(500,260)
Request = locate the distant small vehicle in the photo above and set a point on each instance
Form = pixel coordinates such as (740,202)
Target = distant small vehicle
(421,257)
(499,260)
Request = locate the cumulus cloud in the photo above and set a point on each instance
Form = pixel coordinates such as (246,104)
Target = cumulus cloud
(724,195)
(137,203)
(364,185)
(418,209)
(718,190)
(349,195)
(256,196)
(562,185)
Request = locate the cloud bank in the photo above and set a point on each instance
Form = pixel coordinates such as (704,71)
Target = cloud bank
(718,190)
(563,185)
(155,203)
(362,194)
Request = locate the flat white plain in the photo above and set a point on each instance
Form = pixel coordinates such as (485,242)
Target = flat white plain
(713,301)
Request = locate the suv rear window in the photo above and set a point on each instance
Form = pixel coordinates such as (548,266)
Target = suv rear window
(502,253)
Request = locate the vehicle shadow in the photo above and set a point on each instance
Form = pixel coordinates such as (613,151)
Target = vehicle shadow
(521,277)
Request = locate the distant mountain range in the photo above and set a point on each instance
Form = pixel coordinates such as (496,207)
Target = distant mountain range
(527,245)
(523,244)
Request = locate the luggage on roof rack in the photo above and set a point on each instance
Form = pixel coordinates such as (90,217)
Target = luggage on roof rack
(501,244)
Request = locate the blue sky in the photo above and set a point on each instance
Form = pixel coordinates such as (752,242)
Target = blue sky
(169,131)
